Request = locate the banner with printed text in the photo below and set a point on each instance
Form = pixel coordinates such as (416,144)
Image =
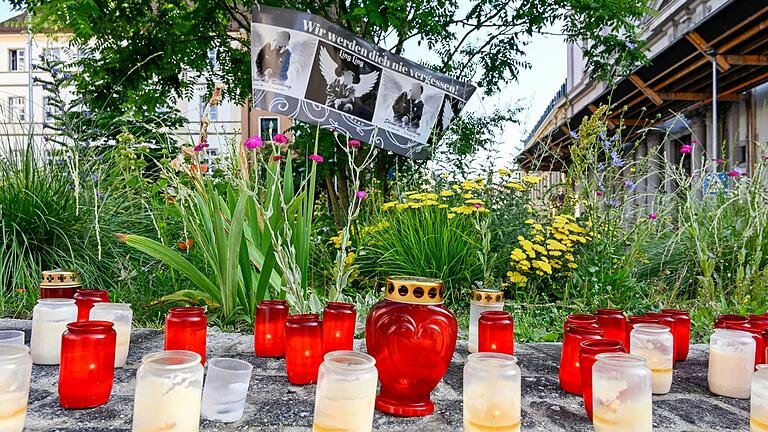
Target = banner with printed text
(315,71)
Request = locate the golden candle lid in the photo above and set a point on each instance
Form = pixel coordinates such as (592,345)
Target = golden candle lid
(60,278)
(487,296)
(415,290)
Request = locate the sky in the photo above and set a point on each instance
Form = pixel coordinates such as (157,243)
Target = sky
(533,90)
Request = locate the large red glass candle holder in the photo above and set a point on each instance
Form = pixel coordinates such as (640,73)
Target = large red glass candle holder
(59,284)
(87,364)
(338,327)
(587,352)
(269,328)
(412,337)
(303,348)
(614,324)
(580,319)
(85,299)
(670,322)
(186,328)
(682,332)
(570,375)
(496,332)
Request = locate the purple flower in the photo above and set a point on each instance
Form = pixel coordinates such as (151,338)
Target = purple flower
(601,167)
(652,216)
(630,184)
(478,205)
(719,161)
(574,135)
(95,178)
(611,202)
(199,147)
(630,44)
(599,193)
(253,142)
(277,158)
(280,139)
(616,160)
(733,173)
(361,194)
(316,158)
(98,194)
(685,148)
(354,143)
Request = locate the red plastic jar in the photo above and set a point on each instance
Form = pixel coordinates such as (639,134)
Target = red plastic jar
(496,332)
(587,352)
(682,332)
(764,334)
(637,319)
(84,299)
(186,328)
(580,319)
(87,364)
(730,319)
(303,348)
(614,324)
(269,328)
(758,321)
(670,322)
(412,337)
(338,327)
(59,284)
(570,374)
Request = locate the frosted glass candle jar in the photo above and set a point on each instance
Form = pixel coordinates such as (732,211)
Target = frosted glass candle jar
(225,389)
(655,344)
(169,387)
(186,328)
(121,315)
(49,321)
(12,337)
(621,395)
(758,416)
(15,373)
(346,393)
(87,370)
(731,363)
(482,301)
(491,393)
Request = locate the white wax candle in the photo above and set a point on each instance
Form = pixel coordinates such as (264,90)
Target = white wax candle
(661,365)
(345,406)
(611,414)
(166,405)
(123,343)
(491,407)
(45,344)
(13,408)
(730,373)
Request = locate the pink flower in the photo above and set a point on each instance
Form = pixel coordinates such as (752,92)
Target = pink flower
(719,161)
(685,148)
(599,193)
(200,146)
(733,173)
(478,205)
(361,194)
(280,139)
(652,216)
(354,143)
(277,158)
(316,158)
(253,142)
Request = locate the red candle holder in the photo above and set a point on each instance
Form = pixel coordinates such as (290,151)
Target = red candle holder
(303,348)
(338,327)
(730,319)
(757,335)
(412,337)
(758,321)
(670,322)
(59,284)
(87,364)
(570,374)
(186,328)
(580,319)
(682,332)
(637,319)
(614,324)
(496,332)
(84,299)
(269,328)
(587,352)
(764,335)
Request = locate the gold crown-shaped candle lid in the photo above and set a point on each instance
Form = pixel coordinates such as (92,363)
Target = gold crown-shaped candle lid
(60,278)
(415,290)
(487,296)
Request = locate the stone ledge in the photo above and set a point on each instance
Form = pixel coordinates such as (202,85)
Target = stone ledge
(276,406)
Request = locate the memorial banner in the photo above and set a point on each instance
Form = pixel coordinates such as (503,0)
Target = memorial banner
(310,69)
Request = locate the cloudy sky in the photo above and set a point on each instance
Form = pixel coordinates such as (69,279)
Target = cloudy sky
(534,89)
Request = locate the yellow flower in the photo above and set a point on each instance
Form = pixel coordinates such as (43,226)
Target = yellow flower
(409,193)
(632,170)
(569,256)
(350,258)
(538,227)
(429,203)
(516,186)
(555,253)
(531,179)
(402,206)
(538,238)
(572,265)
(446,193)
(336,241)
(517,278)
(530,221)
(456,187)
(540,249)
(443,206)
(444,175)
(466,195)
(543,266)
(518,255)
(474,201)
(388,205)
(505,172)
(555,245)
(451,215)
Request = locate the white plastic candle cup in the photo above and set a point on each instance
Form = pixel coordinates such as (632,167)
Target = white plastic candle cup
(49,321)
(122,316)
(731,363)
(491,393)
(12,337)
(346,392)
(758,416)
(15,373)
(621,394)
(655,344)
(225,390)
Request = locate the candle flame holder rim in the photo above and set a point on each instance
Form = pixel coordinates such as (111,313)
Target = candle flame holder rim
(161,359)
(187,310)
(242,365)
(496,359)
(676,312)
(585,330)
(734,332)
(621,359)
(366,360)
(56,301)
(595,346)
(10,352)
(302,318)
(651,327)
(111,306)
(90,326)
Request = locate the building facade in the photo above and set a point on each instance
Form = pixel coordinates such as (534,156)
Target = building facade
(691,44)
(20,113)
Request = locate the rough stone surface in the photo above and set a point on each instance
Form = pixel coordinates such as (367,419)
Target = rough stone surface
(275,405)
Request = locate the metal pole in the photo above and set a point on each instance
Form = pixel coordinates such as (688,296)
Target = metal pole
(713,54)
(29,73)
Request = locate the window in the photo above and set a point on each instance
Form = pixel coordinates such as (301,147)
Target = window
(17,109)
(52,54)
(268,127)
(16,60)
(212,58)
(49,110)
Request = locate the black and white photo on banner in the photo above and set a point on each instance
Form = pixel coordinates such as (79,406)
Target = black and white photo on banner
(407,106)
(281,58)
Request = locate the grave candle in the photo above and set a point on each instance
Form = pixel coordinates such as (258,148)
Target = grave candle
(496,332)
(338,327)
(481,301)
(654,343)
(758,415)
(303,348)
(87,364)
(186,329)
(614,324)
(682,332)
(731,363)
(589,349)
(570,375)
(491,393)
(15,374)
(621,396)
(346,392)
(49,321)
(121,315)
(85,299)
(269,328)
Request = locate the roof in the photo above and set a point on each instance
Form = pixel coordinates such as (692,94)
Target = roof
(678,79)
(16,24)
